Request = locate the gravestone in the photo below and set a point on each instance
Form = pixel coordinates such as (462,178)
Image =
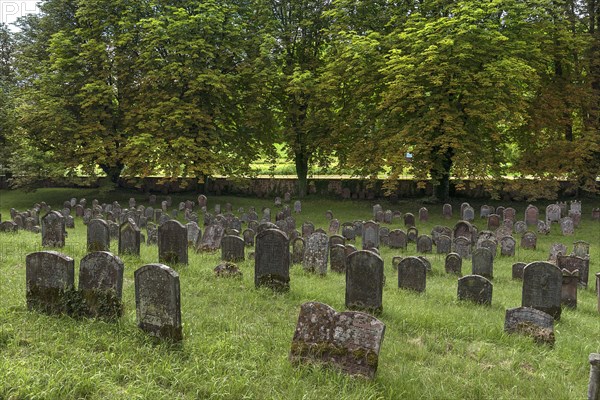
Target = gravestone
(376,208)
(575,206)
(520,227)
(489,244)
(438,231)
(567,227)
(507,246)
(531,215)
(337,258)
(543,228)
(101,285)
(530,322)
(475,288)
(412,274)
(298,246)
(370,233)
(364,282)
(423,214)
(336,239)
(570,279)
(358,228)
(308,228)
(157,301)
(348,231)
(272,260)
(12,227)
(409,220)
(412,234)
(328,215)
(483,263)
(517,270)
(596,214)
(581,249)
(447,211)
(508,214)
(49,278)
(232,248)
(453,264)
(316,253)
(542,286)
(397,239)
(98,235)
(572,263)
(444,244)
(334,227)
(211,238)
(593,392)
(493,222)
(468,214)
(462,246)
(349,341)
(152,231)
(464,229)
(297,207)
(555,250)
(202,201)
(552,213)
(424,244)
(529,241)
(194,233)
(172,243)
(248,236)
(384,236)
(130,238)
(485,211)
(53,230)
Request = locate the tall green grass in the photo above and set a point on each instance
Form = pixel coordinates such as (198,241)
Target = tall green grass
(237,338)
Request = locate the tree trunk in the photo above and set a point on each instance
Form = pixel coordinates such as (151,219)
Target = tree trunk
(113,172)
(441,190)
(301,159)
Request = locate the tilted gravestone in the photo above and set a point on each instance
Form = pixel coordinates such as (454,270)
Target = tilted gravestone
(211,238)
(350,341)
(298,246)
(157,301)
(412,274)
(507,246)
(152,231)
(483,263)
(337,258)
(475,288)
(232,248)
(130,238)
(101,285)
(172,243)
(530,322)
(542,286)
(364,282)
(370,235)
(53,230)
(453,264)
(570,280)
(272,260)
(297,207)
(49,277)
(529,241)
(98,235)
(316,253)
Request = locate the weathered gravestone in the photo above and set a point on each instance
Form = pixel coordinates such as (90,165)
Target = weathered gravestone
(370,235)
(130,238)
(567,227)
(475,288)
(364,282)
(12,227)
(409,220)
(172,243)
(596,214)
(384,236)
(397,239)
(531,215)
(316,253)
(98,235)
(424,244)
(423,214)
(101,285)
(489,244)
(570,280)
(412,234)
(349,341)
(272,260)
(376,208)
(543,228)
(468,214)
(412,274)
(485,211)
(508,213)
(555,250)
(334,226)
(157,301)
(248,235)
(517,270)
(462,247)
(493,222)
(388,216)
(53,230)
(348,231)
(453,264)
(594,381)
(447,211)
(308,228)
(211,238)
(520,227)
(573,263)
(337,258)
(542,286)
(444,244)
(552,213)
(50,277)
(483,263)
(529,241)
(507,246)
(530,322)
(232,248)
(581,249)
(297,207)
(463,229)
(298,246)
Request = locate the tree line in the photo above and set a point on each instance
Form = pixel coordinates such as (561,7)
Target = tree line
(471,89)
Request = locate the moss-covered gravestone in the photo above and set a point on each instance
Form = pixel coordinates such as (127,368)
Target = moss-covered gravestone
(350,341)
(101,285)
(49,279)
(475,288)
(157,301)
(530,322)
(53,230)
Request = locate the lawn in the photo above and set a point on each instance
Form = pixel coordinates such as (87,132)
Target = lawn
(237,338)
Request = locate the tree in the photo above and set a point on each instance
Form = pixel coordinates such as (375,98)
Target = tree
(6,87)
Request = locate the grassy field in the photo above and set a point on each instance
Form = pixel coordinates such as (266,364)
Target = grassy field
(237,338)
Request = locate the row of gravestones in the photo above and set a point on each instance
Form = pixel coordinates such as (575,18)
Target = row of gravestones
(50,289)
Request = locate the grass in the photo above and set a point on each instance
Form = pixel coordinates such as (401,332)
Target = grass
(237,338)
